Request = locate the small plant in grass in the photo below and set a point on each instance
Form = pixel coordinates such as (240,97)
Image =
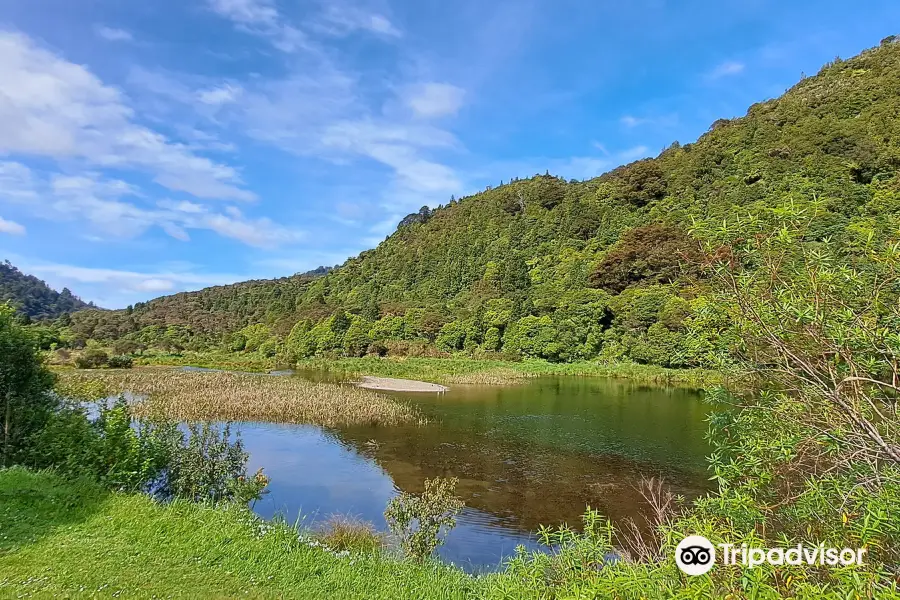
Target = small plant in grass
(342,533)
(423,521)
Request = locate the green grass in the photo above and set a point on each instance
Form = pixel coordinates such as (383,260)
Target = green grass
(462,370)
(229,361)
(441,370)
(60,539)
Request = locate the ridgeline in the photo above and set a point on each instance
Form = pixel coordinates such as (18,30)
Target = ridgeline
(569,270)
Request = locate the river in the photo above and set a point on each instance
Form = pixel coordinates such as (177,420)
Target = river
(526,455)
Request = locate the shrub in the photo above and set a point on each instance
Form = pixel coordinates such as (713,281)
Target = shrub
(205,465)
(120,362)
(141,455)
(26,401)
(423,521)
(109,449)
(91,358)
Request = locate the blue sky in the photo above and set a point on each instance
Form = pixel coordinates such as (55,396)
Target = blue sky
(153,147)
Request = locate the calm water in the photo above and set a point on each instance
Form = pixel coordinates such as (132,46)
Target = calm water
(525,455)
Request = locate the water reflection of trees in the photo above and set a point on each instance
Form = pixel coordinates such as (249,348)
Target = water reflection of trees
(518,484)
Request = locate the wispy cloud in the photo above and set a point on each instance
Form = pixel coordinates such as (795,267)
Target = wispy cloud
(665,120)
(124,283)
(726,69)
(261,17)
(50,107)
(434,99)
(633,153)
(223,94)
(341,19)
(11,227)
(113,34)
(114,208)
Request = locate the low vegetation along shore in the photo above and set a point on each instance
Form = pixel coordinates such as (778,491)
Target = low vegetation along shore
(191,396)
(450,371)
(445,371)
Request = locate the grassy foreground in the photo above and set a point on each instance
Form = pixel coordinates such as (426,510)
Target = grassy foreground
(61,539)
(186,396)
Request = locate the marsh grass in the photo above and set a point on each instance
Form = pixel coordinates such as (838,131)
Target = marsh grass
(183,396)
(451,371)
(349,534)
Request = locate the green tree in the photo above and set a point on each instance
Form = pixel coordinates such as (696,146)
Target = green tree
(26,398)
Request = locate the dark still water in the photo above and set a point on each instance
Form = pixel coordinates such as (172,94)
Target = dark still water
(525,455)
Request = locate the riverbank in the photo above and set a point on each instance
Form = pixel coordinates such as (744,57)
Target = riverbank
(65,539)
(449,371)
(445,371)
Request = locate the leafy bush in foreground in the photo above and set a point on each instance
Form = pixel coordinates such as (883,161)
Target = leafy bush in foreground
(422,521)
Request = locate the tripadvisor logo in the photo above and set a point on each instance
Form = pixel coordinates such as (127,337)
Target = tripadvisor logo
(696,555)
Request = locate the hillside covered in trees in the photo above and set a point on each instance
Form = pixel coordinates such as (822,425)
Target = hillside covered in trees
(606,268)
(34,298)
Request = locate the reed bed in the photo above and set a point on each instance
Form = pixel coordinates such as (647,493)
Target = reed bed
(495,372)
(184,396)
(500,376)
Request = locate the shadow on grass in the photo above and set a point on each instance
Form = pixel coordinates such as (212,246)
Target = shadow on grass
(35,503)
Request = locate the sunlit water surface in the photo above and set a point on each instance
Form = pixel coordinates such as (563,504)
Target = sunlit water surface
(525,455)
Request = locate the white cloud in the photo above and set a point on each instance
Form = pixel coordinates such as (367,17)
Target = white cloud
(95,201)
(633,153)
(725,69)
(50,107)
(124,281)
(323,111)
(631,121)
(11,227)
(16,183)
(217,96)
(261,17)
(154,285)
(399,147)
(113,34)
(247,12)
(342,20)
(435,99)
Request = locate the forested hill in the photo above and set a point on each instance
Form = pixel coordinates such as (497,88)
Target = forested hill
(567,269)
(33,297)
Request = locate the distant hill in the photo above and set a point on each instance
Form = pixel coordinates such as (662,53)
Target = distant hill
(33,297)
(570,270)
(206,313)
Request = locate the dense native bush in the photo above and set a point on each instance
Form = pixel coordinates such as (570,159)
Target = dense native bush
(92,358)
(26,398)
(501,261)
(655,253)
(120,362)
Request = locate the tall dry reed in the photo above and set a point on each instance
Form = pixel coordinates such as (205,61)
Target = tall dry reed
(184,396)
